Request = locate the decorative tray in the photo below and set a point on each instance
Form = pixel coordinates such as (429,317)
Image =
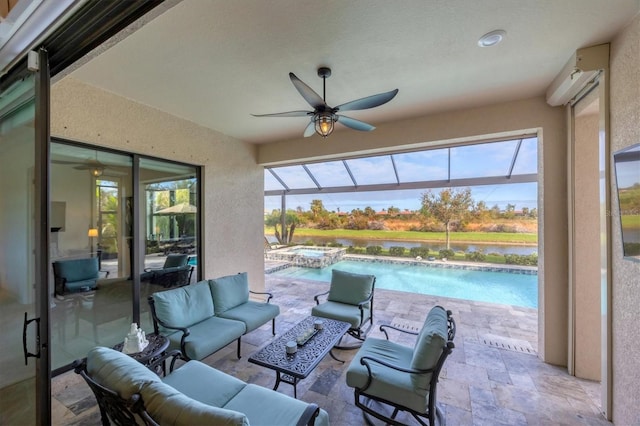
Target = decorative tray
(304,337)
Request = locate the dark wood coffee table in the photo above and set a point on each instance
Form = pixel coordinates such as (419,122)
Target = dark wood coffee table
(293,368)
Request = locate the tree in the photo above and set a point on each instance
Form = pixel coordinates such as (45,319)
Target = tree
(447,206)
(510,211)
(369,212)
(317,209)
(291,220)
(393,211)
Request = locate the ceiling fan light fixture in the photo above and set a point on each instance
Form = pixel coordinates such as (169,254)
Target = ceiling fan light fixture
(96,172)
(492,38)
(324,122)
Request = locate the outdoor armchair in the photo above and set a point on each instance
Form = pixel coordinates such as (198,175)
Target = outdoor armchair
(176,271)
(349,299)
(389,378)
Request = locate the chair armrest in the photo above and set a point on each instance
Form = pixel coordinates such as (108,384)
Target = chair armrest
(159,362)
(309,415)
(316,297)
(366,360)
(270,295)
(106,273)
(383,328)
(365,301)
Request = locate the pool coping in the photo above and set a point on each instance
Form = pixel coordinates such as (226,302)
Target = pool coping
(449,264)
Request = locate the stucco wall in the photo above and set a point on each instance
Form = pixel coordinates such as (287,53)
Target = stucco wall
(625,131)
(509,119)
(232,182)
(586,250)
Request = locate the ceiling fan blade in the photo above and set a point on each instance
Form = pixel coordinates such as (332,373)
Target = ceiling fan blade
(307,93)
(368,102)
(286,114)
(355,124)
(310,129)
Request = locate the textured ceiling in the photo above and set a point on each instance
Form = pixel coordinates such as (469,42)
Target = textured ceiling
(215,62)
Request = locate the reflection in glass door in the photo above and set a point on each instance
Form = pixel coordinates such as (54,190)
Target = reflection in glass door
(18,292)
(94,189)
(169,229)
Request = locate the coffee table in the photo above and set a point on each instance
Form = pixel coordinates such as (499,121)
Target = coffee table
(293,368)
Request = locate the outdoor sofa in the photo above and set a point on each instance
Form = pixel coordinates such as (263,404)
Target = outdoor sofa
(193,394)
(76,275)
(204,317)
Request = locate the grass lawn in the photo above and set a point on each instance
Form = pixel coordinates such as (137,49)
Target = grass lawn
(461,237)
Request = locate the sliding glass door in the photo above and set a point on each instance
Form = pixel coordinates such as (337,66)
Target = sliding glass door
(24,302)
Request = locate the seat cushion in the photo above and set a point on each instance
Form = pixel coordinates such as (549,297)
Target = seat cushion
(429,344)
(265,407)
(350,288)
(229,291)
(388,384)
(83,285)
(253,314)
(205,384)
(118,372)
(184,306)
(168,406)
(340,311)
(208,336)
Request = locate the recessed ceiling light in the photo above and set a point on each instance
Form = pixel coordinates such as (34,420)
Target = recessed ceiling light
(492,38)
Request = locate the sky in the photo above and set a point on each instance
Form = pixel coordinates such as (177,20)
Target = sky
(482,160)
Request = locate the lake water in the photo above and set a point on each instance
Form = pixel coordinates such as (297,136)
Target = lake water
(520,249)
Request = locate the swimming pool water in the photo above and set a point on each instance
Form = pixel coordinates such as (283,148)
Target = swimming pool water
(484,286)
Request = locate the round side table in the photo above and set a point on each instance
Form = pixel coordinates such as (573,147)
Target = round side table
(158,344)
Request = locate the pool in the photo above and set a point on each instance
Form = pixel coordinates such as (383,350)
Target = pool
(484,286)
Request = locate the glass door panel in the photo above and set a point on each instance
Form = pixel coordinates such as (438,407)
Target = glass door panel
(169,219)
(93,191)
(18,293)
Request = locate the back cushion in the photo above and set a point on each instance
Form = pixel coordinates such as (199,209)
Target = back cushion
(174,260)
(230,291)
(347,287)
(167,406)
(429,345)
(118,372)
(77,269)
(184,306)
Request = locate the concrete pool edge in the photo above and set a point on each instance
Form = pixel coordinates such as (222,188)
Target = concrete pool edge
(473,266)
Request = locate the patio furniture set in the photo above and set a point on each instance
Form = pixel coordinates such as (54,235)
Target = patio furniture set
(200,319)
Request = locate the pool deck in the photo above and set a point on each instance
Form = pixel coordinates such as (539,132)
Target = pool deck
(493,377)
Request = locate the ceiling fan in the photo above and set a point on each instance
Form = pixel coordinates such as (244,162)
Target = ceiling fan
(323,117)
(96,167)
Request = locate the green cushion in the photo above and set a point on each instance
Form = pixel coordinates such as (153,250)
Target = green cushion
(429,344)
(77,269)
(265,407)
(208,336)
(388,384)
(174,260)
(168,406)
(184,306)
(347,287)
(205,384)
(253,314)
(340,312)
(229,291)
(118,372)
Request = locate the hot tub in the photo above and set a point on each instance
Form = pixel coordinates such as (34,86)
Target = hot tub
(308,256)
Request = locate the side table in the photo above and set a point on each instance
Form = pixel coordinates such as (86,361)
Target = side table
(158,344)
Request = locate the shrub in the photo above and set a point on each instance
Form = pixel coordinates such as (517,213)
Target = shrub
(375,250)
(376,225)
(475,256)
(396,251)
(447,253)
(355,250)
(517,259)
(419,251)
(334,245)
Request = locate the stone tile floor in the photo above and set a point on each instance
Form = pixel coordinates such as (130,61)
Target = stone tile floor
(493,376)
